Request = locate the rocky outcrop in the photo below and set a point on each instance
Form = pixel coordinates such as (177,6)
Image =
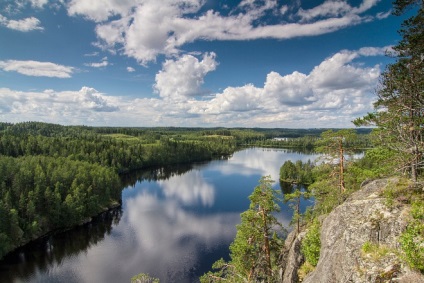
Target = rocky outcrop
(364,219)
(293,258)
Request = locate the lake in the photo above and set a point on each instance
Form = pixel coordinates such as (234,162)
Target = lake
(173,224)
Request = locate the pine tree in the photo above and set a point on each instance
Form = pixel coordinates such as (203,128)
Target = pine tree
(254,251)
(399,109)
(336,145)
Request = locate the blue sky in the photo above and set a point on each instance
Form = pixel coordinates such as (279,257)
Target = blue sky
(193,63)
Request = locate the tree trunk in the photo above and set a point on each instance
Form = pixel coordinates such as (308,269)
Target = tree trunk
(266,244)
(341,179)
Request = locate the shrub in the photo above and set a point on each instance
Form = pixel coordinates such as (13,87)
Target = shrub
(311,244)
(412,239)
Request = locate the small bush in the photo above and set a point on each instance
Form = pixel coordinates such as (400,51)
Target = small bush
(412,239)
(311,244)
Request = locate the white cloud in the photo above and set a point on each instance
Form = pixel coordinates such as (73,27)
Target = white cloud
(235,99)
(383,15)
(38,3)
(86,106)
(336,72)
(184,77)
(90,98)
(130,69)
(289,90)
(284,9)
(144,29)
(37,69)
(330,8)
(104,62)
(335,92)
(24,25)
(99,10)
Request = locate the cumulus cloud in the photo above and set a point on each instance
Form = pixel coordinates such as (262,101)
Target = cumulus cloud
(336,72)
(130,69)
(235,99)
(332,94)
(90,98)
(289,90)
(37,69)
(24,25)
(144,29)
(184,77)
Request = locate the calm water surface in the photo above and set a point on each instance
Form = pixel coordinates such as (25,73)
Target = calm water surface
(173,224)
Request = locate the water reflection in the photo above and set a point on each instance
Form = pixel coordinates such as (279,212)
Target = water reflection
(189,189)
(265,161)
(48,253)
(171,240)
(154,174)
(175,223)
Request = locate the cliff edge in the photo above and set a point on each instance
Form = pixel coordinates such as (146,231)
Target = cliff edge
(363,221)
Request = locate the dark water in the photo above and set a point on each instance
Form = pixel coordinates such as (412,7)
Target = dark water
(173,224)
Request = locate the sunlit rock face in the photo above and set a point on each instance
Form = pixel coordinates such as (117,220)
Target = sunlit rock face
(363,218)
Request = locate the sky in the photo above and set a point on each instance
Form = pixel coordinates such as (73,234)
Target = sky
(193,63)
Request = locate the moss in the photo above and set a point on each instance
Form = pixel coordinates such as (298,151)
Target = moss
(304,270)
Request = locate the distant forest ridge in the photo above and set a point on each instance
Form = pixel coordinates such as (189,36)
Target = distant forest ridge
(48,129)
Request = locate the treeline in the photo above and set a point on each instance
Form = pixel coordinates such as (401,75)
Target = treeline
(311,141)
(121,152)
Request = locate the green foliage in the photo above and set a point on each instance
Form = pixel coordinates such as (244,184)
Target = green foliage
(412,239)
(412,245)
(144,278)
(417,210)
(255,250)
(324,189)
(377,163)
(311,244)
(397,192)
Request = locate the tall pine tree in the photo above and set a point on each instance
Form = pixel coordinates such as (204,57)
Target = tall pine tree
(399,109)
(255,250)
